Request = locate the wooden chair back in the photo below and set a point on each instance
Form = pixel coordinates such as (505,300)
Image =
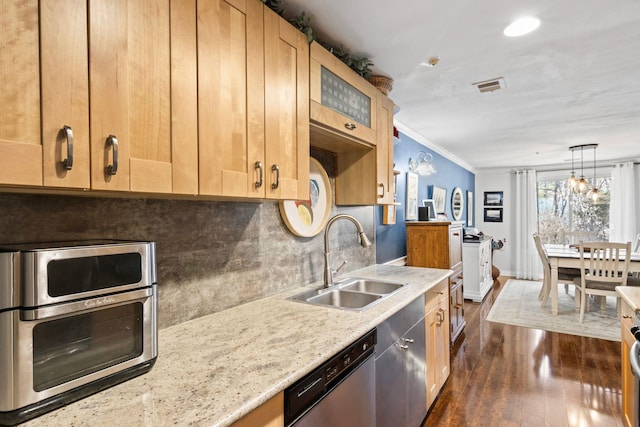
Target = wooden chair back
(604,263)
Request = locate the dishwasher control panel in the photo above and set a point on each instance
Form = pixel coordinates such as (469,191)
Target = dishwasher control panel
(301,396)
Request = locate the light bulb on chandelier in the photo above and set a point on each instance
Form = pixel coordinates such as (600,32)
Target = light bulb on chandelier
(582,185)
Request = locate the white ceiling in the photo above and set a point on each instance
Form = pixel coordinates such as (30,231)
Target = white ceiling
(575,80)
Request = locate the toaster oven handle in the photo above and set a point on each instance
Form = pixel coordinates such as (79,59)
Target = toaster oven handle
(85,305)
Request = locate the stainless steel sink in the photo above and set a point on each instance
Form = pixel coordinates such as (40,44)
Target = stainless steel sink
(344,299)
(371,286)
(350,294)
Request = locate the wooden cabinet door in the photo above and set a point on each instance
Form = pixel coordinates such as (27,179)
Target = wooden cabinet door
(286,80)
(326,113)
(384,151)
(431,338)
(455,245)
(628,379)
(20,140)
(231,98)
(65,93)
(129,80)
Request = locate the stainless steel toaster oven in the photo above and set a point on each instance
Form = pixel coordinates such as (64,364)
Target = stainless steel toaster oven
(75,318)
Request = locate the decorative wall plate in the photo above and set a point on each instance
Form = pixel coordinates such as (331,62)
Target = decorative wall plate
(306,218)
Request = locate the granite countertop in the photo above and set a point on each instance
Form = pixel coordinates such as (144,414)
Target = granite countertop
(631,295)
(215,369)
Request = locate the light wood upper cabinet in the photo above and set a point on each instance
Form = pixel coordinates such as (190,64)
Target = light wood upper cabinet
(287,109)
(342,102)
(253,101)
(129,80)
(231,97)
(384,151)
(65,93)
(20,141)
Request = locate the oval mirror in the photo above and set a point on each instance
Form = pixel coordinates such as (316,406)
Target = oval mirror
(457,203)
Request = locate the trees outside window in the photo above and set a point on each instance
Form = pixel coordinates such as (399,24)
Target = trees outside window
(561,208)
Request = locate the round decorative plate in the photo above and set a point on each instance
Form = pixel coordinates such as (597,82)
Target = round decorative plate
(306,218)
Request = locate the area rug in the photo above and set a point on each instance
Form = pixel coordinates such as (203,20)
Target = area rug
(518,304)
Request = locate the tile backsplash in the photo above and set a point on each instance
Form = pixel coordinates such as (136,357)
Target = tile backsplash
(211,255)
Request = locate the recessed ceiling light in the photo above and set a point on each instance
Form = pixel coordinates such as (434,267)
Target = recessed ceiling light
(521,27)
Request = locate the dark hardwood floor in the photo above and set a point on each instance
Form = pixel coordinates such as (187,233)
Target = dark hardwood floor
(505,375)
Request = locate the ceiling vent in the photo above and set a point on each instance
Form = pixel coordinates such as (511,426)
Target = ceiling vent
(490,85)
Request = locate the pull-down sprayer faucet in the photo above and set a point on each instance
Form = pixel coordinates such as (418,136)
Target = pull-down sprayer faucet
(364,241)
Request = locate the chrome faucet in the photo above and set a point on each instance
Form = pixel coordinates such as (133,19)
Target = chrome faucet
(364,241)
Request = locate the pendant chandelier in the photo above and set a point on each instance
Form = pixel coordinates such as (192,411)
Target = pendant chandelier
(582,185)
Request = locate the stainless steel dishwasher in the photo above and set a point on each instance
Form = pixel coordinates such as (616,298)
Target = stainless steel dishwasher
(339,393)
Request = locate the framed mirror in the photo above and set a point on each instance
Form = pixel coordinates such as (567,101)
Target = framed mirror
(457,204)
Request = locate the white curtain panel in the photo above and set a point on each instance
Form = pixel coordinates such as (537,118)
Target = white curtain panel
(622,208)
(526,223)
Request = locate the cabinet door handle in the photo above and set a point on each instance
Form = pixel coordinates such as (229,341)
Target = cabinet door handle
(258,165)
(626,316)
(382,185)
(276,169)
(68,162)
(112,169)
(350,126)
(457,305)
(403,347)
(409,340)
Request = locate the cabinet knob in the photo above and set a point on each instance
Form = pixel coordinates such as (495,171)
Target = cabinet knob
(403,347)
(457,305)
(409,340)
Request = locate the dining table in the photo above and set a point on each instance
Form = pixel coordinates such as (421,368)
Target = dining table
(569,257)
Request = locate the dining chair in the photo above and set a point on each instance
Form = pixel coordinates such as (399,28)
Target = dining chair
(565,275)
(603,266)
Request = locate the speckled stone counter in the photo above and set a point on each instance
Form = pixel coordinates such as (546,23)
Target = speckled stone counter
(215,369)
(631,295)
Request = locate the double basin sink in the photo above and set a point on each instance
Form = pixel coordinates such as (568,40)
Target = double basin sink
(352,293)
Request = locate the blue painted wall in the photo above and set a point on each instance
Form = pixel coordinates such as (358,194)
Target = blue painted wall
(391,241)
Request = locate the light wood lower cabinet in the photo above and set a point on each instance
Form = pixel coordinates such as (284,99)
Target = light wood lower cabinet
(269,414)
(628,379)
(439,245)
(437,340)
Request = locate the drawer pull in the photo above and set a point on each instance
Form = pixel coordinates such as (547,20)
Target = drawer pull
(626,316)
(276,184)
(350,126)
(112,169)
(258,166)
(457,305)
(403,347)
(409,340)
(68,162)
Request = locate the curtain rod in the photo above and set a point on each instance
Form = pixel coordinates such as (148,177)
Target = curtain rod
(568,168)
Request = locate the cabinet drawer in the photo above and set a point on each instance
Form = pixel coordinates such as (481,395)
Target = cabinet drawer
(628,316)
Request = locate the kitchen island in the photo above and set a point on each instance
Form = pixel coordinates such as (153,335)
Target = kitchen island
(215,369)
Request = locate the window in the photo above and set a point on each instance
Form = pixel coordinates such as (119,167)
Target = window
(560,208)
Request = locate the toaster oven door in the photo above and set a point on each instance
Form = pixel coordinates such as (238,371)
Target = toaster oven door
(57,349)
(57,275)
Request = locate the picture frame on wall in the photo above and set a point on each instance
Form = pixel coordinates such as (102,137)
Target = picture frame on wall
(492,214)
(411,210)
(493,198)
(439,197)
